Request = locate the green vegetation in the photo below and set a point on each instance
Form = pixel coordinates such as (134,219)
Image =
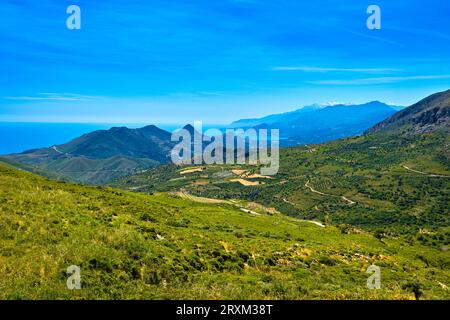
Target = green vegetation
(133,246)
(364,183)
(29,168)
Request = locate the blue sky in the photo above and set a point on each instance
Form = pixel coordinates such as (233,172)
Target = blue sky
(217,61)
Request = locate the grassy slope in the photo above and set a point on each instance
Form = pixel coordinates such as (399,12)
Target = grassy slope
(367,170)
(207,251)
(82,169)
(29,168)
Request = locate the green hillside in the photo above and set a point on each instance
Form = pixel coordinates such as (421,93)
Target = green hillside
(395,184)
(160,246)
(29,168)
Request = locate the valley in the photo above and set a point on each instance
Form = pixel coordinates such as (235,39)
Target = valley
(343,183)
(219,231)
(390,181)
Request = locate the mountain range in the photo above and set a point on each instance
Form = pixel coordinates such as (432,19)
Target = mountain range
(105,155)
(319,123)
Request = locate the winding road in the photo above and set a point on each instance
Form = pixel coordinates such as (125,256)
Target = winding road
(350,202)
(426,174)
(56,149)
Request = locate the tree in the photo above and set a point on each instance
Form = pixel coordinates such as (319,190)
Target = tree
(380,235)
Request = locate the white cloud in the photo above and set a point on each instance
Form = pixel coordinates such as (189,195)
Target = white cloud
(380,80)
(324,70)
(50,96)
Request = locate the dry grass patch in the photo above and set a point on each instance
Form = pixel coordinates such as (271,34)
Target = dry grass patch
(192,170)
(247,183)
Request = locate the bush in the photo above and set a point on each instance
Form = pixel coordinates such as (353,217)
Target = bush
(415,287)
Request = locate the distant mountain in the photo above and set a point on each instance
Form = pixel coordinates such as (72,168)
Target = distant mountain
(429,114)
(274,118)
(316,123)
(147,142)
(103,155)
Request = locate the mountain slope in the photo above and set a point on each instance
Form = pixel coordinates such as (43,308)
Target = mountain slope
(29,168)
(147,142)
(103,155)
(429,114)
(137,246)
